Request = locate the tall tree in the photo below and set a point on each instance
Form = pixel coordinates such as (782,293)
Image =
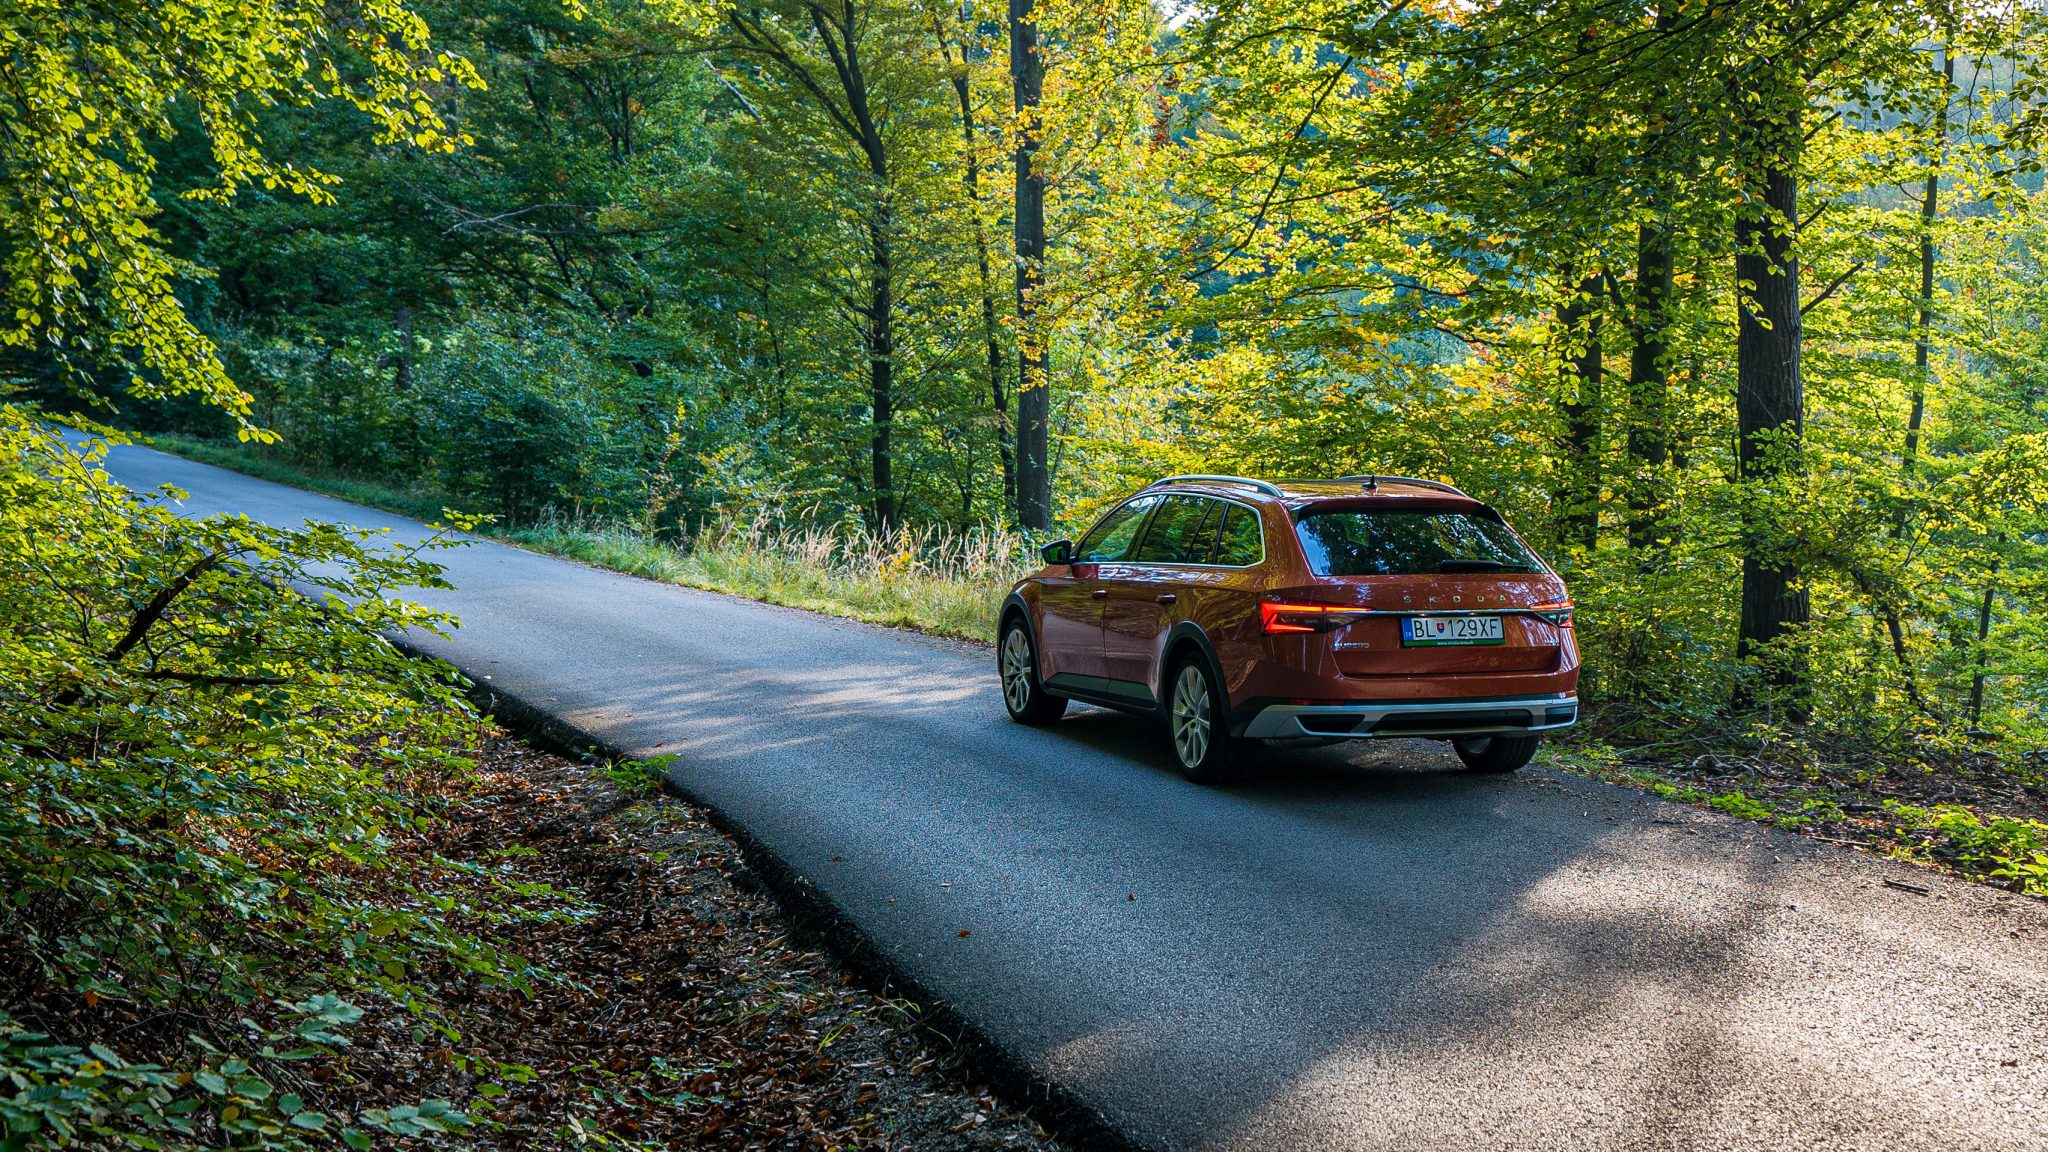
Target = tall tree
(1034,400)
(802,40)
(970,179)
(1650,414)
(1770,398)
(1580,407)
(1930,208)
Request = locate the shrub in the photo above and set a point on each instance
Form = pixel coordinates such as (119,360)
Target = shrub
(207,748)
(2001,848)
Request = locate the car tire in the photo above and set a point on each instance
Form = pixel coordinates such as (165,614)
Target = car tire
(1195,723)
(1495,754)
(1024,695)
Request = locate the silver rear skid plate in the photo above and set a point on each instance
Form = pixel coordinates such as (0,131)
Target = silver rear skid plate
(1437,718)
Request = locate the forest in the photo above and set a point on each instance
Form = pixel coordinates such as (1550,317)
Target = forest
(1734,307)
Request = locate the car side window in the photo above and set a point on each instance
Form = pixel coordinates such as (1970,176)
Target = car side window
(1175,534)
(1110,539)
(1202,545)
(1240,544)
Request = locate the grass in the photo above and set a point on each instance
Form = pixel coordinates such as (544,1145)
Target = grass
(933,579)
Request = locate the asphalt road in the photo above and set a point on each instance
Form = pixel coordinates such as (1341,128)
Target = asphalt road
(1361,947)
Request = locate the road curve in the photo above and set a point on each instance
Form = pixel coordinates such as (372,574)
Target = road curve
(1360,948)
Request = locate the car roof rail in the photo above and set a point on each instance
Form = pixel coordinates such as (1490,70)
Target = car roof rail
(1203,478)
(1374,482)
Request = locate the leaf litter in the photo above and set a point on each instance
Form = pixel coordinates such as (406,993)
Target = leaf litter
(680,1006)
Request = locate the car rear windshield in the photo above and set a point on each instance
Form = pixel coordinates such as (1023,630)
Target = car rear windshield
(1408,543)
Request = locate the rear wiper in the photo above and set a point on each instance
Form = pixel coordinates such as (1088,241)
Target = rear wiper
(1477,566)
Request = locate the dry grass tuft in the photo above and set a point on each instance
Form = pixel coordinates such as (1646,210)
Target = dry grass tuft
(932,578)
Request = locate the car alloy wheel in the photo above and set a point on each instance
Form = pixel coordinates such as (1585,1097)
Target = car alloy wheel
(1017,664)
(1195,719)
(1191,725)
(1017,670)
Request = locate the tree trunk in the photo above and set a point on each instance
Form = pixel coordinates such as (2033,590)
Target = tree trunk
(401,373)
(1923,331)
(1769,394)
(842,44)
(1649,382)
(1979,656)
(1577,492)
(1027,79)
(837,28)
(882,360)
(991,332)
(1650,433)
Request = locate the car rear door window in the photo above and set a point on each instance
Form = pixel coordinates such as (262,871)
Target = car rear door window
(1175,534)
(1109,540)
(1410,542)
(1240,544)
(1202,546)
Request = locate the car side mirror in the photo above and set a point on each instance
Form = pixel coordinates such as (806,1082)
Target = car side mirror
(1058,552)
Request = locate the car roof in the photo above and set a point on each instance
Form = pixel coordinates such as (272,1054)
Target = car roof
(1294,494)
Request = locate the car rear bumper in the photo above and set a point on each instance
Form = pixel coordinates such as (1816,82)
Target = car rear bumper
(1366,720)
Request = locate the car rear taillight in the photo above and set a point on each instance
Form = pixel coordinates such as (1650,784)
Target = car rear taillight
(1558,612)
(1280,617)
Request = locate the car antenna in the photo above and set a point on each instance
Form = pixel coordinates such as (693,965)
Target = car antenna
(1372,483)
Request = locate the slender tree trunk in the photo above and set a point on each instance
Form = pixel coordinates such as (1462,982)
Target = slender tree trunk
(837,28)
(1577,491)
(1930,203)
(1980,661)
(1027,79)
(1769,395)
(1649,380)
(401,373)
(881,317)
(881,323)
(1649,440)
(991,331)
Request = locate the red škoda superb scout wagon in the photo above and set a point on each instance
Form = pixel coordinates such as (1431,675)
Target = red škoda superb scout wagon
(1242,610)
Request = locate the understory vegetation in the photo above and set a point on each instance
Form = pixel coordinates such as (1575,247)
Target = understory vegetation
(202,773)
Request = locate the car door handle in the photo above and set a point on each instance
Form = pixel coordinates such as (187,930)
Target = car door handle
(1099,594)
(1167,598)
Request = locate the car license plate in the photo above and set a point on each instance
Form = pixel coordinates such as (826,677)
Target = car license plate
(1437,631)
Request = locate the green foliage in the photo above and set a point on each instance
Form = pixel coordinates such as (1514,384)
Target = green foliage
(207,750)
(91,87)
(639,777)
(65,1095)
(2003,849)
(1801,812)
